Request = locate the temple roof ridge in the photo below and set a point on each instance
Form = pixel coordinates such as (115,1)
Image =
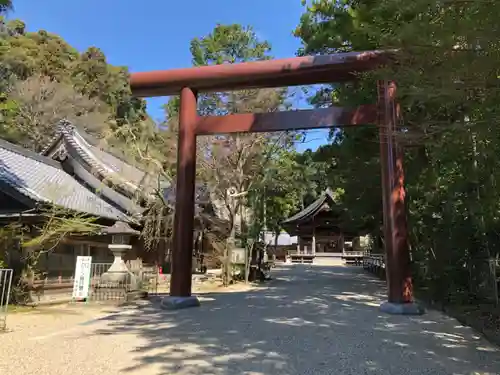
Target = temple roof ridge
(312,210)
(102,161)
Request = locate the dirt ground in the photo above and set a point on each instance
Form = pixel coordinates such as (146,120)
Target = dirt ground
(44,319)
(309,320)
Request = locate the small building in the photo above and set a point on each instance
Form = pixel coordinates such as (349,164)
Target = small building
(320,230)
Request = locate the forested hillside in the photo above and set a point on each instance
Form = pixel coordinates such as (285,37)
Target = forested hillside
(43,79)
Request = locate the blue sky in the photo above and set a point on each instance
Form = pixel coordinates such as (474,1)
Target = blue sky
(157,35)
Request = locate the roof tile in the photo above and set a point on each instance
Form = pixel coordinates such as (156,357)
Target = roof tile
(42,180)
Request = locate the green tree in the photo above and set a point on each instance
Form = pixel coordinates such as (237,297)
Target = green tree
(5,6)
(232,163)
(234,159)
(40,103)
(447,74)
(279,190)
(24,55)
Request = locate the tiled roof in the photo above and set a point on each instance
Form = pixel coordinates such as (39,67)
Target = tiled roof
(108,163)
(311,210)
(101,160)
(43,180)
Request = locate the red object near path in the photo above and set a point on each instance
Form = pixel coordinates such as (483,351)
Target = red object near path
(281,73)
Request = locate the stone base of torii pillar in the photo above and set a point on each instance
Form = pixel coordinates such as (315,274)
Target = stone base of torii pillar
(176,303)
(411,308)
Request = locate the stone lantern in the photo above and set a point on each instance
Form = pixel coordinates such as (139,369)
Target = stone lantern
(121,234)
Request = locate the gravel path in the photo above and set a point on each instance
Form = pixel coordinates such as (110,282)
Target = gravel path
(311,320)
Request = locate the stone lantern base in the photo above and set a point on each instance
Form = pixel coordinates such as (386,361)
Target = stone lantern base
(119,274)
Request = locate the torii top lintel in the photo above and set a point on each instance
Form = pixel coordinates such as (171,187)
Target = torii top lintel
(260,74)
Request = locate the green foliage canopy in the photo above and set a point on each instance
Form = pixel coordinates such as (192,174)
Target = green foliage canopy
(448,79)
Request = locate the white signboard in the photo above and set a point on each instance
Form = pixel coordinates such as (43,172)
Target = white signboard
(81,283)
(238,255)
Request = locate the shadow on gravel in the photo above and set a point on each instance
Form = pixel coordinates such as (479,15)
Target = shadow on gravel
(310,320)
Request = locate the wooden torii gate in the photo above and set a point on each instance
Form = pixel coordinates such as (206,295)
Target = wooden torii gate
(281,73)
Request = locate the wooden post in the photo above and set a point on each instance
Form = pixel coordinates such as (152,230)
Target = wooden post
(399,282)
(182,252)
(313,252)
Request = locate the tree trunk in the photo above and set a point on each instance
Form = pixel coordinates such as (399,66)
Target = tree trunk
(276,234)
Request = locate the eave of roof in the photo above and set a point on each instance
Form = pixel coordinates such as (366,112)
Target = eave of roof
(311,210)
(30,176)
(111,167)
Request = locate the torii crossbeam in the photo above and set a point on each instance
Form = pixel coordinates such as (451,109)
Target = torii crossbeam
(281,73)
